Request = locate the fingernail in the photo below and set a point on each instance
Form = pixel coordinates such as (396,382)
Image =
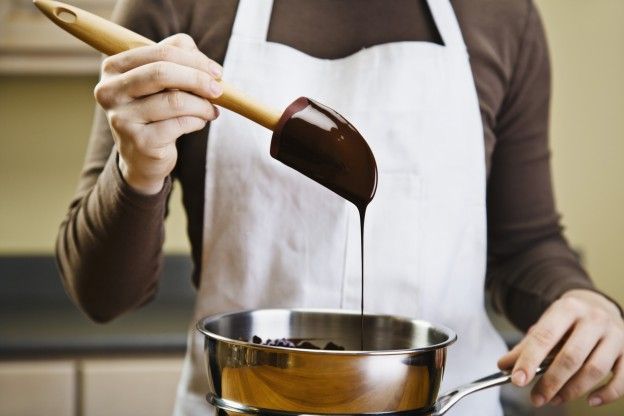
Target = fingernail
(215,88)
(595,401)
(518,378)
(556,401)
(538,400)
(216,70)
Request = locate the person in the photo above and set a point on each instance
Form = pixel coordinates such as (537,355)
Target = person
(453,99)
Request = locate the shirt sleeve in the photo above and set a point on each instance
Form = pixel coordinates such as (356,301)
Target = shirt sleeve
(530,264)
(109,246)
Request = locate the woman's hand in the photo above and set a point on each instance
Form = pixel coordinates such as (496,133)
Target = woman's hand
(152,95)
(590,332)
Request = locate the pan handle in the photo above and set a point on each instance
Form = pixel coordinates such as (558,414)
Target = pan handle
(450,398)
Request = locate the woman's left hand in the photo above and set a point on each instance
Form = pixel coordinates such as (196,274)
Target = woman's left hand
(590,331)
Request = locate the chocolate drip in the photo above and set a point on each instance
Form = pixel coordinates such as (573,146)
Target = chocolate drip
(362,211)
(318,142)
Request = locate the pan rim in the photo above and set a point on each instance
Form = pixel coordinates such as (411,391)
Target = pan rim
(451,335)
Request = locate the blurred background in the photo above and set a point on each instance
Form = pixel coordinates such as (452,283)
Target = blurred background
(53,361)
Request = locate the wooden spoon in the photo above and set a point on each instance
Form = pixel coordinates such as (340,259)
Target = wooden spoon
(110,39)
(308,136)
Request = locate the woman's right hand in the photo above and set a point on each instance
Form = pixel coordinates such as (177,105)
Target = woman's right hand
(152,95)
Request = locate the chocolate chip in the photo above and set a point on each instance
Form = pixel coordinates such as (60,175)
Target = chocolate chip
(307,345)
(334,347)
(284,342)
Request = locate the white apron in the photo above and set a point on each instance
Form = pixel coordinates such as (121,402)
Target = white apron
(274,238)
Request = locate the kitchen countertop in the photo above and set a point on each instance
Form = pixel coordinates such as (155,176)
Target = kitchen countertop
(37,319)
(64,331)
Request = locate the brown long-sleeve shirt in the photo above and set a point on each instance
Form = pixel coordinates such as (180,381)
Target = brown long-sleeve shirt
(110,244)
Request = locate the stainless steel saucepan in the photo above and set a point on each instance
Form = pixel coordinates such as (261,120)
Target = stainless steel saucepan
(399,370)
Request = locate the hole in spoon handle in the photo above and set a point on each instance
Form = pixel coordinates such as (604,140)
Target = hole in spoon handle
(65,15)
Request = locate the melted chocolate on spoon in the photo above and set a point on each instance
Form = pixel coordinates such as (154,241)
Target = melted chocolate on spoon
(318,142)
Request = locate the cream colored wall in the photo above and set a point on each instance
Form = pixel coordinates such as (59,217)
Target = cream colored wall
(587,48)
(45,122)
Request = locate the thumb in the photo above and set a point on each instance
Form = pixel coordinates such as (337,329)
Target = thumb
(181,40)
(507,361)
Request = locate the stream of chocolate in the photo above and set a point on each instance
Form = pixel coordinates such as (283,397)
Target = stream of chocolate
(362,211)
(318,142)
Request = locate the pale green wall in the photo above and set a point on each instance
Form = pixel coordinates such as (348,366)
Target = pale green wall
(45,122)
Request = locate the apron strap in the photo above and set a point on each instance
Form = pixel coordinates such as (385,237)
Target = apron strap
(252,19)
(446,22)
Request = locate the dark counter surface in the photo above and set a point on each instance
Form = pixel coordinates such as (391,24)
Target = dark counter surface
(37,319)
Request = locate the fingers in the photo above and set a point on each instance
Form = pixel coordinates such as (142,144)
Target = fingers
(165,51)
(174,63)
(611,391)
(140,123)
(168,104)
(595,369)
(542,338)
(507,361)
(181,40)
(152,95)
(588,334)
(569,360)
(133,120)
(152,147)
(155,77)
(175,127)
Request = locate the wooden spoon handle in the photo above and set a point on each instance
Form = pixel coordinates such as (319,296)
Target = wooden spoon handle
(111,38)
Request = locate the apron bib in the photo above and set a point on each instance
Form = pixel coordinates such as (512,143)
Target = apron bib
(274,238)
